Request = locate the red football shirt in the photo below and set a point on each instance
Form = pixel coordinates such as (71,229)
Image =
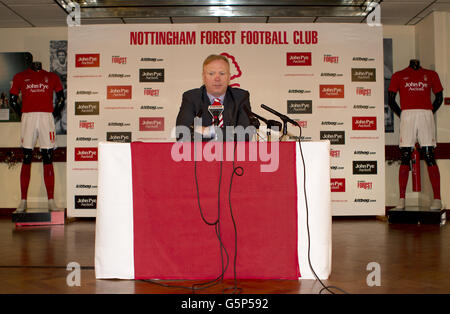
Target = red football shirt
(415,87)
(37,89)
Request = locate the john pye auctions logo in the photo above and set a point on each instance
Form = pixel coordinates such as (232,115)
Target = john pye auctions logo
(365,167)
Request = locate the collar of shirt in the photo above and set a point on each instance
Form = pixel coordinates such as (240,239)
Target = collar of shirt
(211,98)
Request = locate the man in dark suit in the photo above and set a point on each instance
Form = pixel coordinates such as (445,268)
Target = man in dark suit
(197,102)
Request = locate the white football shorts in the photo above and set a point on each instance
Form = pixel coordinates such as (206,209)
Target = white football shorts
(417,125)
(38,125)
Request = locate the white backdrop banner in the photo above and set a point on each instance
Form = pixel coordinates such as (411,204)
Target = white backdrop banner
(125,84)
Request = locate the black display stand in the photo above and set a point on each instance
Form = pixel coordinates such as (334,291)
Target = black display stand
(417,215)
(39,218)
(31,217)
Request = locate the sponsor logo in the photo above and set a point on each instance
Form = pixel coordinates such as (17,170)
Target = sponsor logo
(86,92)
(365,185)
(337,185)
(298,59)
(118,75)
(337,168)
(148,107)
(364,123)
(91,60)
(363,152)
(37,88)
(85,201)
(330,59)
(88,125)
(299,91)
(302,123)
(86,139)
(331,91)
(86,153)
(151,92)
(328,74)
(364,59)
(364,200)
(118,92)
(416,86)
(120,124)
(361,91)
(118,60)
(363,75)
(299,106)
(85,186)
(87,108)
(364,107)
(151,75)
(364,167)
(151,124)
(335,153)
(119,137)
(332,123)
(151,59)
(335,137)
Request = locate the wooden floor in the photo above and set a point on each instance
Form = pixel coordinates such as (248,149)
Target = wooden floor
(412,258)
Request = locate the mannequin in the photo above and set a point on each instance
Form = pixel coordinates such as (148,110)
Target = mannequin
(37,117)
(415,85)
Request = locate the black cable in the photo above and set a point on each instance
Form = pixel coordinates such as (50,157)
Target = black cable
(307,224)
(235,287)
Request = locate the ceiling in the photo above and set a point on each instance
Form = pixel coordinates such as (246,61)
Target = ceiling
(51,13)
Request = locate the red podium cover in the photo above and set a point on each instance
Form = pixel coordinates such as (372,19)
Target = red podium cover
(171,241)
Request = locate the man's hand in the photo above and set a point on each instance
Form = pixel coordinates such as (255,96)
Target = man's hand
(205,131)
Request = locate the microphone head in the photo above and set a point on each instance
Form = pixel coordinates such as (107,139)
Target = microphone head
(274,124)
(215,111)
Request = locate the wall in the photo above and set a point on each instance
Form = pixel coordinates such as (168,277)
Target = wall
(408,42)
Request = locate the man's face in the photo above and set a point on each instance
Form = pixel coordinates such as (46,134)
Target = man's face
(61,57)
(216,77)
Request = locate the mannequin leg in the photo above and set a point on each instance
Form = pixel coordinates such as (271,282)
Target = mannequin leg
(403,174)
(25,173)
(434,175)
(49,176)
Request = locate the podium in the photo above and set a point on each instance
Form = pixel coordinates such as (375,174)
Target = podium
(417,215)
(125,230)
(35,218)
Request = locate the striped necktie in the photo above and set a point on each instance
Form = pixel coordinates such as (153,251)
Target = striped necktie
(218,103)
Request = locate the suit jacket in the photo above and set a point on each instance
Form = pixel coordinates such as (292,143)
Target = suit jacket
(195,103)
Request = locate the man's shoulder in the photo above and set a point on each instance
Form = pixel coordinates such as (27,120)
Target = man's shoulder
(193,92)
(238,91)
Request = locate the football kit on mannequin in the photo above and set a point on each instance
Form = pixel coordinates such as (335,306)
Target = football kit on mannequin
(415,85)
(37,120)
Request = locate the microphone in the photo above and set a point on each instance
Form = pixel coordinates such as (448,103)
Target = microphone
(272,123)
(215,111)
(281,116)
(254,120)
(252,117)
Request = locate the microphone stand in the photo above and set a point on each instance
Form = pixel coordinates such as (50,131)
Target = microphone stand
(270,124)
(284,134)
(285,120)
(268,129)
